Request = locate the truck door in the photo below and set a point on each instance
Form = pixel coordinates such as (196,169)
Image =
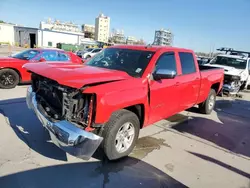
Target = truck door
(189,84)
(164,95)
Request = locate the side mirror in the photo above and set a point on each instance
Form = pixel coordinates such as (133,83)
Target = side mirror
(42,59)
(164,74)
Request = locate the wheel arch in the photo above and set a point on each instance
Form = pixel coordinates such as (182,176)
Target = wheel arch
(139,110)
(216,87)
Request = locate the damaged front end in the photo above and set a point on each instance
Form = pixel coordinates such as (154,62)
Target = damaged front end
(66,113)
(232,84)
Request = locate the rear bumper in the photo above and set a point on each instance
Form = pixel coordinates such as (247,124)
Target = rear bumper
(66,135)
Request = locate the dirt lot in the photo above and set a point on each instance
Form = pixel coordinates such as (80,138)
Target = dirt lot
(6,50)
(188,149)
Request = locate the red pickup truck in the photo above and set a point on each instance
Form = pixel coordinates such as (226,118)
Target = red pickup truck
(109,98)
(13,73)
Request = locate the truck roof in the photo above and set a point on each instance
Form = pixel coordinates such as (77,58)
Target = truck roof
(149,47)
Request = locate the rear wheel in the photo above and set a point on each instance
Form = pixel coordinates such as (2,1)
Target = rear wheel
(120,134)
(8,78)
(208,105)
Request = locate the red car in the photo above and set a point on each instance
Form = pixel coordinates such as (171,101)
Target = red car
(117,92)
(12,71)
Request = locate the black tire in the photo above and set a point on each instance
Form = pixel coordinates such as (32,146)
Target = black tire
(117,120)
(206,107)
(9,78)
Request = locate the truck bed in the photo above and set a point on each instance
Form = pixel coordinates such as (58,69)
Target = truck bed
(209,76)
(206,68)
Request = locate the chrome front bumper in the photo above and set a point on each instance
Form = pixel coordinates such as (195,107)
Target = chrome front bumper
(66,135)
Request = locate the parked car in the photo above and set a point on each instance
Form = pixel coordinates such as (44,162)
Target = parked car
(13,73)
(116,93)
(236,65)
(89,52)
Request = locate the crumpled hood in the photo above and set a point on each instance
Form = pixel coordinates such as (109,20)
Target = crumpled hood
(75,75)
(228,70)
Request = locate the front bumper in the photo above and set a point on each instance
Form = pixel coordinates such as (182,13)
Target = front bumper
(230,89)
(64,134)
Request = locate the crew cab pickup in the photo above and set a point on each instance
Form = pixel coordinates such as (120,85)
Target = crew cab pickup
(11,68)
(107,100)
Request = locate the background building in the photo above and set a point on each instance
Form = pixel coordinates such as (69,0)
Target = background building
(117,37)
(50,38)
(59,26)
(7,34)
(26,36)
(102,24)
(163,38)
(89,31)
(131,40)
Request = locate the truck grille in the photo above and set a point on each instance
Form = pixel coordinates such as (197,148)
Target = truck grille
(229,78)
(59,102)
(48,95)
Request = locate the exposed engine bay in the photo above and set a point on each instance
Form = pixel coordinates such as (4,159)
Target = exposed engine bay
(59,102)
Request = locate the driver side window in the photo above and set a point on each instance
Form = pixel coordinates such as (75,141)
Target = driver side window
(166,61)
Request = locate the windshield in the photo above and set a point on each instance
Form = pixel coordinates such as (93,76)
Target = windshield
(133,62)
(26,55)
(230,61)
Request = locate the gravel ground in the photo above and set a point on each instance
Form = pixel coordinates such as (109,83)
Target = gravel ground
(6,50)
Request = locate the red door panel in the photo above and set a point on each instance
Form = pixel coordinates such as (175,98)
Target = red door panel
(164,99)
(164,93)
(190,80)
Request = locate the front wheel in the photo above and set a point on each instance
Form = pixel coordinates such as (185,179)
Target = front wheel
(120,134)
(208,105)
(8,78)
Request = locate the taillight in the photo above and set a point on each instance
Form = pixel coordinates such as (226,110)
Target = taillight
(90,114)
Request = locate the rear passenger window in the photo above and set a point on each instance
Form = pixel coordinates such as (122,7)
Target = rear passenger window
(63,57)
(187,62)
(166,61)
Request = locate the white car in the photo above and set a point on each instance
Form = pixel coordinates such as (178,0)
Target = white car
(236,70)
(90,52)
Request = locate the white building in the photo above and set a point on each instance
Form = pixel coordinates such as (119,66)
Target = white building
(7,34)
(60,26)
(53,32)
(131,40)
(49,38)
(163,37)
(102,24)
(117,36)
